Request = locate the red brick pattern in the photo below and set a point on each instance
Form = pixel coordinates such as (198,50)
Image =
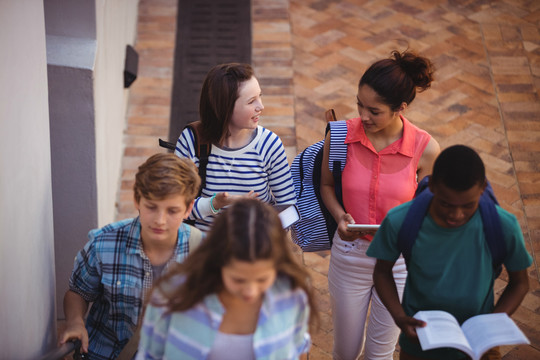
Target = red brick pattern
(308,56)
(485,94)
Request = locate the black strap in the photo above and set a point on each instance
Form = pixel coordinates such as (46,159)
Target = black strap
(202,151)
(167,145)
(336,171)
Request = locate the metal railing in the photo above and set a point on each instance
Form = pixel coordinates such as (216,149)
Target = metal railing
(64,350)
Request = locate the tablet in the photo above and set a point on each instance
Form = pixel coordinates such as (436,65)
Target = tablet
(288,214)
(362,227)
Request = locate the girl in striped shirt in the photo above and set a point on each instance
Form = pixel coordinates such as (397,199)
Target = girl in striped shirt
(240,295)
(246,160)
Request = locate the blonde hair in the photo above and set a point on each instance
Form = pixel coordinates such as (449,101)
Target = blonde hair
(163,174)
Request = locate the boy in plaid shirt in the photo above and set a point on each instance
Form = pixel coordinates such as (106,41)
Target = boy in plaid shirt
(121,261)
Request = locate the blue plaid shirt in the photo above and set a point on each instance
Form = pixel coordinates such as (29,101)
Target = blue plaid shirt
(113,272)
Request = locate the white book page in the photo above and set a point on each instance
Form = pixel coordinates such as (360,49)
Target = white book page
(289,216)
(490,330)
(442,330)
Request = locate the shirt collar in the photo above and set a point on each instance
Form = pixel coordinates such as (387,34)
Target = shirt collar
(217,310)
(134,243)
(405,145)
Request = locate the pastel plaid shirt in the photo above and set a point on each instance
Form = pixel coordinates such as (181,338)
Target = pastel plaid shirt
(281,333)
(113,272)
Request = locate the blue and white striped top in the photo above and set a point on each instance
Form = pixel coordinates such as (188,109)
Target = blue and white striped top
(260,166)
(281,333)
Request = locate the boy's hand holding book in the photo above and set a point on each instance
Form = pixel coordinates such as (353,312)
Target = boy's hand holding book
(408,326)
(475,337)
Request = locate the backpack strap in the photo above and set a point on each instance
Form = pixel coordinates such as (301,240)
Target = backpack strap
(413,222)
(301,170)
(338,153)
(492,228)
(422,185)
(202,151)
(338,148)
(130,349)
(195,237)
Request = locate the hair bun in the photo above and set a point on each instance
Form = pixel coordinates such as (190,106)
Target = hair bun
(418,68)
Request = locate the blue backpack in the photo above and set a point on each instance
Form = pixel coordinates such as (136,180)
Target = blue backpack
(316,227)
(490,218)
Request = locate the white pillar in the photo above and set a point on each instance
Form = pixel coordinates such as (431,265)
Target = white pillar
(27,286)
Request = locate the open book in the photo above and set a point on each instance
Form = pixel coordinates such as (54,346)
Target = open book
(476,336)
(288,214)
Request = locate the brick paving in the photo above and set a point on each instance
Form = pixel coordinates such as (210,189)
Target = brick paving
(308,56)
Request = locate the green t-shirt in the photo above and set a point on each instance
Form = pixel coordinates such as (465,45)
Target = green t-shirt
(450,269)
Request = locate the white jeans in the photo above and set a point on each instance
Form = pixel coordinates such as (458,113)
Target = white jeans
(350,282)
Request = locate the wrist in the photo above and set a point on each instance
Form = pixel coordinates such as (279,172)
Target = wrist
(75,321)
(342,217)
(212,207)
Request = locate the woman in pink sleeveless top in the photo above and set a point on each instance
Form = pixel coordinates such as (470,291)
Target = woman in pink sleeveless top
(386,158)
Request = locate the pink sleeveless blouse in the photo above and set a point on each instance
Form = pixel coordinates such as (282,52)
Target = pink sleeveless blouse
(374,182)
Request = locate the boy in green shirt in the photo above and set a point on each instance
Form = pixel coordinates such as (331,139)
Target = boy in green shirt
(450,267)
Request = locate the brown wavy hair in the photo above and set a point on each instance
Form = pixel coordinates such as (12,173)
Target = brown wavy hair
(248,230)
(166,174)
(218,95)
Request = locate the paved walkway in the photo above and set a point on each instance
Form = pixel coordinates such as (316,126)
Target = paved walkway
(309,55)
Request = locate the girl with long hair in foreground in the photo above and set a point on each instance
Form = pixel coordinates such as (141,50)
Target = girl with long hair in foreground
(240,295)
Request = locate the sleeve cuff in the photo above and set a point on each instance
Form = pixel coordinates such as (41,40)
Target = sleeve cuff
(204,207)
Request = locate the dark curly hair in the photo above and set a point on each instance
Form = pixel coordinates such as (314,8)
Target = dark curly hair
(459,168)
(396,79)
